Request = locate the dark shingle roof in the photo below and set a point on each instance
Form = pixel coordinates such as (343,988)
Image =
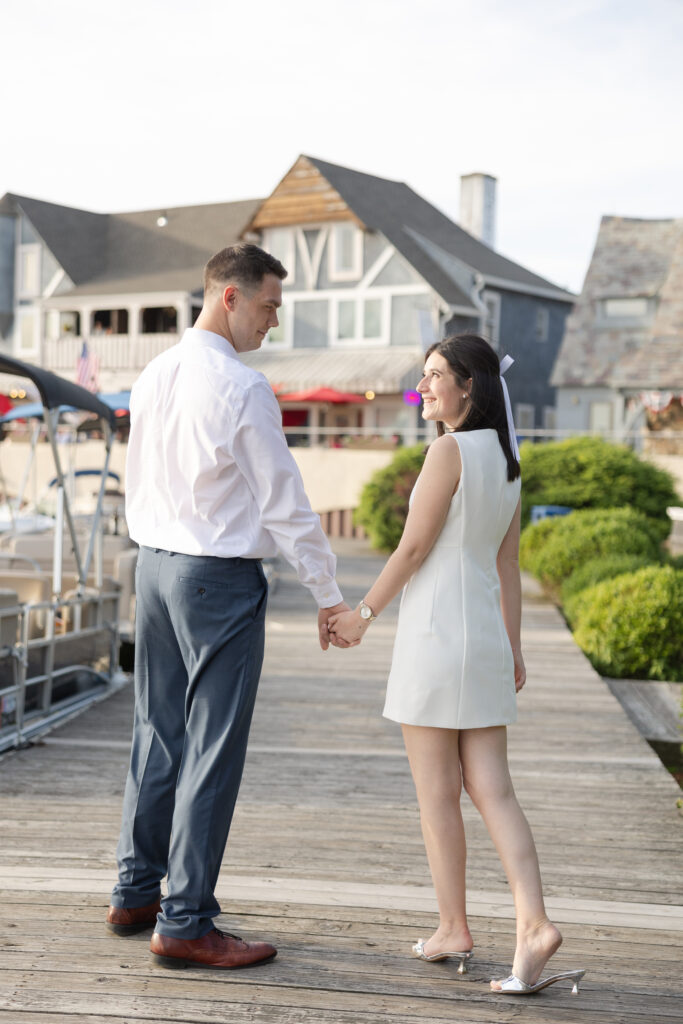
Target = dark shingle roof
(633,258)
(76,238)
(419,230)
(129,252)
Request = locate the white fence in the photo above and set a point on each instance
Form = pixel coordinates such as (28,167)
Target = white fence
(114,351)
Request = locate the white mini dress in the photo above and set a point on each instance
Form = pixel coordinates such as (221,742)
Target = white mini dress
(452,664)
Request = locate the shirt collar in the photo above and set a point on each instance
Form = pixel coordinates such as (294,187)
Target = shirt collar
(197,336)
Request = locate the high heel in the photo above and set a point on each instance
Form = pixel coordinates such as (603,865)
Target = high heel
(514,986)
(419,952)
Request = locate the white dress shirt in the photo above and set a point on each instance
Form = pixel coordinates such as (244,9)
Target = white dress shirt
(208,470)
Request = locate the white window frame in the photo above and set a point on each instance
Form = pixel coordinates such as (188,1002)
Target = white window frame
(358,340)
(492,320)
(542,330)
(28,249)
(334,271)
(289,262)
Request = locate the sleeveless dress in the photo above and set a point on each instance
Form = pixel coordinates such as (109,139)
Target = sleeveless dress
(452,664)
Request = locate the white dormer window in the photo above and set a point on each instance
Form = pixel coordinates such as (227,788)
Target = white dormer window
(345,259)
(280,243)
(28,285)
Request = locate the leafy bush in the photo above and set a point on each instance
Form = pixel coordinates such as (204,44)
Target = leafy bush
(533,540)
(383,507)
(587,472)
(632,626)
(553,548)
(598,569)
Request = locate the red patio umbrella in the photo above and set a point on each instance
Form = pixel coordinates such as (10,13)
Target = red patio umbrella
(322,395)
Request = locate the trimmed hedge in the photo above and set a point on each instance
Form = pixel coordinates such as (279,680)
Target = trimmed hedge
(598,569)
(587,472)
(632,626)
(383,507)
(553,548)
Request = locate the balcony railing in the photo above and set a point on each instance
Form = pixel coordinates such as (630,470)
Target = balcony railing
(114,351)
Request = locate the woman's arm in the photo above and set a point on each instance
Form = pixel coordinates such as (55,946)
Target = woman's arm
(434,491)
(507,564)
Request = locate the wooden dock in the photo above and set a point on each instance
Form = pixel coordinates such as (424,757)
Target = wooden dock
(326,857)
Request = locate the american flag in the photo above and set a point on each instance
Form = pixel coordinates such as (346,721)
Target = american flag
(88,369)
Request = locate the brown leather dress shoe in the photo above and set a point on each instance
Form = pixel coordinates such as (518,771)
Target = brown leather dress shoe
(216,949)
(131,920)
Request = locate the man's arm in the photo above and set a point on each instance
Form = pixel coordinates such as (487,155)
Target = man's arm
(261,453)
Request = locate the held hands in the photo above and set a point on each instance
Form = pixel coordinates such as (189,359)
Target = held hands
(347,628)
(324,615)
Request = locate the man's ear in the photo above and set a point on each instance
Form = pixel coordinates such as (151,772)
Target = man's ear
(229,296)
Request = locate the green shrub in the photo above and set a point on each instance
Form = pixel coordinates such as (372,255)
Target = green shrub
(533,539)
(587,472)
(598,569)
(552,552)
(383,506)
(632,626)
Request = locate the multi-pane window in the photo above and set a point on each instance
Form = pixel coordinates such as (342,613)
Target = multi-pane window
(360,319)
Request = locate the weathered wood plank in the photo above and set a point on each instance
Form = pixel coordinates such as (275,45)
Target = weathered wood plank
(325,766)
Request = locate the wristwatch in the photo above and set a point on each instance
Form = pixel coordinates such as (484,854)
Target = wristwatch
(366,612)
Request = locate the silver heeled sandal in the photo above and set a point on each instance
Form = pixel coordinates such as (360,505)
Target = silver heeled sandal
(419,952)
(514,986)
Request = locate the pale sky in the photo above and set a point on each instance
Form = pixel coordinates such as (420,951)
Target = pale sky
(574,107)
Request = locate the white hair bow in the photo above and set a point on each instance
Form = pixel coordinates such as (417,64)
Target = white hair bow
(505,364)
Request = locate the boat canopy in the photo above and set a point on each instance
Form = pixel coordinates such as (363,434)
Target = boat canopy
(56,391)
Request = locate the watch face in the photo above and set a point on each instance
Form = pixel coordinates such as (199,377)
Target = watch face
(365,612)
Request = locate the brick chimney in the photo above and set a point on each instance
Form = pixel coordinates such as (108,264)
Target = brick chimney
(478,206)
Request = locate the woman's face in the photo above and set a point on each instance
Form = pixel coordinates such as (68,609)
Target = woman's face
(442,397)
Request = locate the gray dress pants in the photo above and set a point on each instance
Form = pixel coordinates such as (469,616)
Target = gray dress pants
(199,640)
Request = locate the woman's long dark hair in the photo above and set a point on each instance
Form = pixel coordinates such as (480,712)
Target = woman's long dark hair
(468,355)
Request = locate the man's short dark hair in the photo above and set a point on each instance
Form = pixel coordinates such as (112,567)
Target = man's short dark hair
(244,265)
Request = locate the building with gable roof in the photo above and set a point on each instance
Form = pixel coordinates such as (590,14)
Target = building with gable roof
(376,274)
(620,365)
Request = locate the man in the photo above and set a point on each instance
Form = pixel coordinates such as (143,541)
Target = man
(211,488)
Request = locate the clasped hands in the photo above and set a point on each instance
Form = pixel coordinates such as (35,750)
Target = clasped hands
(340,626)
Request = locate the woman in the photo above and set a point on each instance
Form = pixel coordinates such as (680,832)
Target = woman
(457,656)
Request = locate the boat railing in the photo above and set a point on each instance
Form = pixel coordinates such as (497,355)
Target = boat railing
(56,656)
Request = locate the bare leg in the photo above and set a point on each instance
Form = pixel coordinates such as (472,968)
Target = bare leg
(435,764)
(483,756)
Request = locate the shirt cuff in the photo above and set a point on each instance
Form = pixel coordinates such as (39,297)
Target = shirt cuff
(326,595)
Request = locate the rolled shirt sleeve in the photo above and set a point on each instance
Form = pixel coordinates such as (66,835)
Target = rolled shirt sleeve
(260,451)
